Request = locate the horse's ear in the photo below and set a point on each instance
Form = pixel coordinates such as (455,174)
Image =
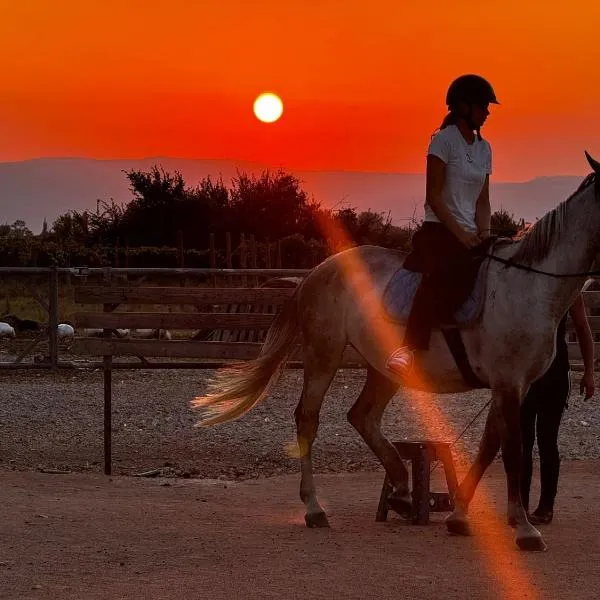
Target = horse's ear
(593,163)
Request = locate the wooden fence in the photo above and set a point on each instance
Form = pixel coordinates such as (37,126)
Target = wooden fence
(245,322)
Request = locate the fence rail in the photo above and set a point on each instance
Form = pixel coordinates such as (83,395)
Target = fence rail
(221,308)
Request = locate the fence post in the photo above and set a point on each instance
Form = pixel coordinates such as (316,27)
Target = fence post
(107,372)
(228,254)
(213,257)
(254,257)
(268,255)
(180,251)
(243,258)
(53,317)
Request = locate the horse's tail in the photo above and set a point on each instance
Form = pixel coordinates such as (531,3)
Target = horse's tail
(237,389)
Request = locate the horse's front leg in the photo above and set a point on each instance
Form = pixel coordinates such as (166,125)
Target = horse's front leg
(527,536)
(488,449)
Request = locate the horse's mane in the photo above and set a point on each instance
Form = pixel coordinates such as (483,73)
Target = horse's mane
(537,242)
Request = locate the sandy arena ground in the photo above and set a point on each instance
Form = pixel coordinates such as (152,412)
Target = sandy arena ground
(224,520)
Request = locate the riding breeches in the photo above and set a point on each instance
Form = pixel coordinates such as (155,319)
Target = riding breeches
(449,271)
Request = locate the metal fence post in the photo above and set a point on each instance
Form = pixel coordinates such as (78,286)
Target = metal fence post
(53,317)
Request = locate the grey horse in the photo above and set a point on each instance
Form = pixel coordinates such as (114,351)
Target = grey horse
(509,346)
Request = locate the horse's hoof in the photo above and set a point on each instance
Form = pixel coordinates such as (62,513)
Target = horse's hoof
(316,520)
(531,543)
(458,526)
(400,504)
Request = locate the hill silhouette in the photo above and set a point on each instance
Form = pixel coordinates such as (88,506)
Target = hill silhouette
(34,190)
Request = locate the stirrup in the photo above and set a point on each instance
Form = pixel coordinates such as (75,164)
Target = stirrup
(401,361)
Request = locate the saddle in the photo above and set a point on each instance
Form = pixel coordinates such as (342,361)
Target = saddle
(400,291)
(399,294)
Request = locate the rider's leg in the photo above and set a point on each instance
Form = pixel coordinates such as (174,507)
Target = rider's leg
(449,271)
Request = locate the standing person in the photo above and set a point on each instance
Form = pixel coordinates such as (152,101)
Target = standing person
(542,411)
(457,216)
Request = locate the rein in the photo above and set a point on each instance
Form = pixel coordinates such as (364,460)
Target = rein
(592,178)
(437,464)
(508,262)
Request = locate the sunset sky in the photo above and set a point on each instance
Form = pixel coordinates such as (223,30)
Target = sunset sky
(363,83)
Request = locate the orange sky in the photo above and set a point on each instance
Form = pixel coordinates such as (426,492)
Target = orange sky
(363,83)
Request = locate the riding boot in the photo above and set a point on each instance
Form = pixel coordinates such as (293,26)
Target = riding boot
(401,361)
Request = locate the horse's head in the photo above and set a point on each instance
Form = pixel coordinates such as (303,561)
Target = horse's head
(567,237)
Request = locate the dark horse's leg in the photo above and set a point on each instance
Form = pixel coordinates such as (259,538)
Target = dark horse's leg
(503,428)
(488,449)
(529,415)
(527,536)
(365,417)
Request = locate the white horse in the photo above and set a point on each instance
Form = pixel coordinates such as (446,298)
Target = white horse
(511,344)
(7,330)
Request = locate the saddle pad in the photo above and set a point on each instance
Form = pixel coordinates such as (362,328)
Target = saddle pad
(400,291)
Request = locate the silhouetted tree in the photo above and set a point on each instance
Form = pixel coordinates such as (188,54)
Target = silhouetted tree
(272,205)
(505,224)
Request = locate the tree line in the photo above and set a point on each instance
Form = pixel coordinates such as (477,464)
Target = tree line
(167,222)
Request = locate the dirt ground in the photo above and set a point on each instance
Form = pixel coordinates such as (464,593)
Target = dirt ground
(87,536)
(224,519)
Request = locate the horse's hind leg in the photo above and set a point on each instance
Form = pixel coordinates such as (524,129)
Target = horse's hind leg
(318,374)
(365,417)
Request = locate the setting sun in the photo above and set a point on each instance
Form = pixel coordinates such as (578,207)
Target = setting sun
(268,107)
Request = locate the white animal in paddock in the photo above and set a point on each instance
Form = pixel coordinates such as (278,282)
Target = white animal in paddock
(65,331)
(6,331)
(151,334)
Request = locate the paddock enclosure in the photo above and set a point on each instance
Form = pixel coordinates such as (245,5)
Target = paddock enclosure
(190,508)
(216,315)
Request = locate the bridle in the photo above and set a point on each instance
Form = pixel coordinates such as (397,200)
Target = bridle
(508,262)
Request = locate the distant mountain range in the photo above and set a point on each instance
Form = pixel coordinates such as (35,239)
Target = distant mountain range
(34,190)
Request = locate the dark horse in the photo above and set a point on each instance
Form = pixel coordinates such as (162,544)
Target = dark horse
(510,345)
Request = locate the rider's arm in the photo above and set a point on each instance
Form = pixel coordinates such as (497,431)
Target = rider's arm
(483,210)
(436,175)
(586,343)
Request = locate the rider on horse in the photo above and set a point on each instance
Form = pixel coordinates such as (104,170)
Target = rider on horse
(457,216)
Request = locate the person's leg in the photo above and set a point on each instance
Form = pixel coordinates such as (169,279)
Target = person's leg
(447,269)
(548,425)
(425,257)
(420,319)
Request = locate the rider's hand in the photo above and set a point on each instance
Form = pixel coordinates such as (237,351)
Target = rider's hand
(469,239)
(587,384)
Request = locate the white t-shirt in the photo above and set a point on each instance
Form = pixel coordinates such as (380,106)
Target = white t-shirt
(466,168)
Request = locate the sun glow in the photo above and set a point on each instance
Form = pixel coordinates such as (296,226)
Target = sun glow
(268,107)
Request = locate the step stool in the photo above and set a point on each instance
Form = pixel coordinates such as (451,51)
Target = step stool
(421,454)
